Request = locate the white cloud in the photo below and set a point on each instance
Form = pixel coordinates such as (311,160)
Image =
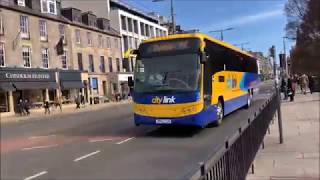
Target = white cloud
(248,19)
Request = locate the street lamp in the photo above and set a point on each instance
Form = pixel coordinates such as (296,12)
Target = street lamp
(241,45)
(172,15)
(221,32)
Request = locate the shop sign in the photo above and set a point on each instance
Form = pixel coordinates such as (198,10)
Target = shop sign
(26,76)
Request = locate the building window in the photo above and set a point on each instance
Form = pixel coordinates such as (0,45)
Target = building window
(2,55)
(130,25)
(147,30)
(91,63)
(123,23)
(118,64)
(62,32)
(108,42)
(125,43)
(94,83)
(80,64)
(43,30)
(136,42)
(49,6)
(1,25)
(45,57)
(21,3)
(142,29)
(26,56)
(89,38)
(116,43)
(24,26)
(78,36)
(110,64)
(102,64)
(64,60)
(152,31)
(100,41)
(135,26)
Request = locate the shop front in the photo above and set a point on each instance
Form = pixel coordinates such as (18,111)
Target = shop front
(119,83)
(71,85)
(34,85)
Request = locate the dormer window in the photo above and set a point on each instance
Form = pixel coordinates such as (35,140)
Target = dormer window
(21,3)
(49,6)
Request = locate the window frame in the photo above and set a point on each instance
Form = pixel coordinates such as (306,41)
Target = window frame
(1,25)
(102,64)
(80,61)
(64,58)
(29,51)
(91,63)
(89,38)
(2,47)
(78,36)
(24,27)
(110,64)
(46,4)
(108,42)
(118,64)
(46,50)
(43,30)
(21,3)
(62,32)
(100,41)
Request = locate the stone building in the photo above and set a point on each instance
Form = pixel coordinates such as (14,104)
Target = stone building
(31,34)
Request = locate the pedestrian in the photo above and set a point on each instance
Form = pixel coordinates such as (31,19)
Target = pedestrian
(304,83)
(78,102)
(27,106)
(21,107)
(82,100)
(291,88)
(284,89)
(311,83)
(46,107)
(57,102)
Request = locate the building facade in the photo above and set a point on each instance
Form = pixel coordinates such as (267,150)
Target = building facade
(134,26)
(45,55)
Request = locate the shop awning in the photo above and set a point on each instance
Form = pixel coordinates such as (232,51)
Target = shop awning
(6,86)
(35,85)
(71,85)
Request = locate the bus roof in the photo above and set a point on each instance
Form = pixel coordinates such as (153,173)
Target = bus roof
(202,37)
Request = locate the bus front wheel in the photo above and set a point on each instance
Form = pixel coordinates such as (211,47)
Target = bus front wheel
(220,114)
(249,99)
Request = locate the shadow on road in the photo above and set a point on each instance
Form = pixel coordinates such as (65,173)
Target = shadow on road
(174,132)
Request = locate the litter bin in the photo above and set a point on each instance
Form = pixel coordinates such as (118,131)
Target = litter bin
(96,100)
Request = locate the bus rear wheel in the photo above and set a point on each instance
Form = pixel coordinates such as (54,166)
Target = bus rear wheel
(249,99)
(220,114)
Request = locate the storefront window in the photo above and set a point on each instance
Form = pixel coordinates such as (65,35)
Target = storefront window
(4,102)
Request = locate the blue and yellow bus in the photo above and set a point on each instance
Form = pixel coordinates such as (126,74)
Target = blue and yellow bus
(190,79)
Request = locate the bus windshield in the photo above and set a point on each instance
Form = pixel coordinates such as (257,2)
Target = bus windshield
(174,73)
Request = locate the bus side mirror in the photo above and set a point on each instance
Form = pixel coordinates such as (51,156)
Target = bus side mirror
(130,82)
(203,58)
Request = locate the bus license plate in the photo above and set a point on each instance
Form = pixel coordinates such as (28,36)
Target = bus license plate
(163,121)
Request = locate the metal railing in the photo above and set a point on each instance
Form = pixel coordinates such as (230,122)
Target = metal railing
(233,159)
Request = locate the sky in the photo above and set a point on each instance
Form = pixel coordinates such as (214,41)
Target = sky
(259,22)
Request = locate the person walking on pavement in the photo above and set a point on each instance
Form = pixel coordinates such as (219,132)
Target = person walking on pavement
(311,83)
(82,100)
(46,107)
(27,106)
(57,103)
(284,88)
(304,83)
(78,102)
(21,107)
(291,88)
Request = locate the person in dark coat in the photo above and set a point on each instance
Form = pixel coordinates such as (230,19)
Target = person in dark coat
(27,106)
(21,107)
(284,88)
(291,88)
(78,102)
(311,83)
(46,107)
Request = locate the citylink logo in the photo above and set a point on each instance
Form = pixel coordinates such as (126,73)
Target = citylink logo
(164,100)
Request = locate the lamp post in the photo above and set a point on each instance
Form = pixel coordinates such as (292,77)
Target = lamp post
(172,15)
(221,32)
(241,45)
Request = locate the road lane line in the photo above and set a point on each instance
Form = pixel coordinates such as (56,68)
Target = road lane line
(100,140)
(39,147)
(36,175)
(85,156)
(125,140)
(38,137)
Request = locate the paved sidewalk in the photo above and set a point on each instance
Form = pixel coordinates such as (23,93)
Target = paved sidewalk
(68,109)
(298,157)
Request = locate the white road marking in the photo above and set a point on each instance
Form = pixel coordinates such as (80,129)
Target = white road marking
(85,156)
(100,140)
(36,175)
(125,140)
(39,147)
(38,137)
